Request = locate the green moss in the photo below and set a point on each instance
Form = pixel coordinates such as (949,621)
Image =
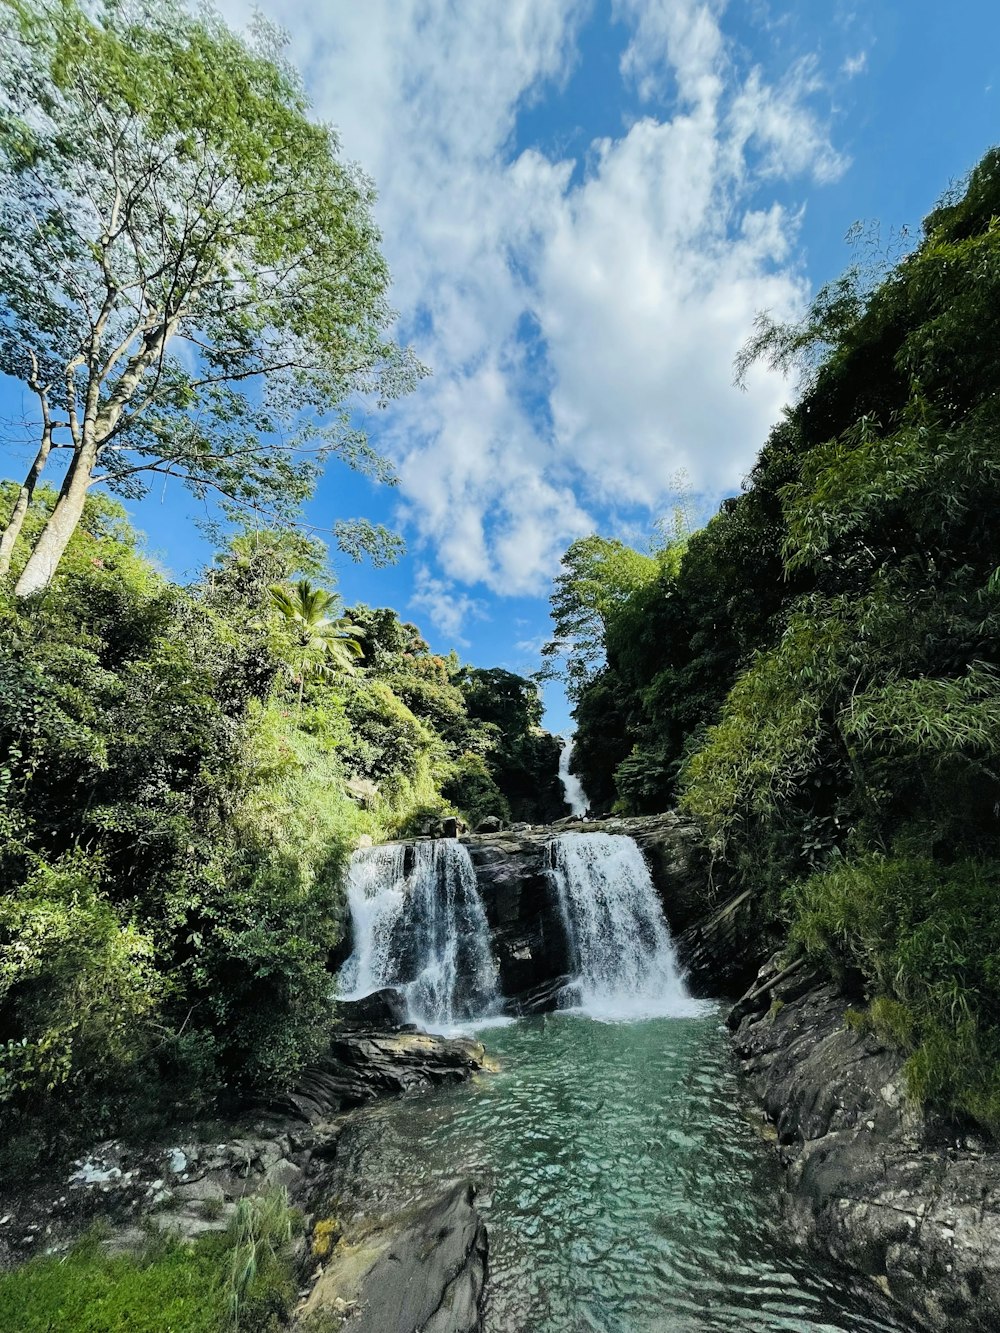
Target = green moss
(858,1020)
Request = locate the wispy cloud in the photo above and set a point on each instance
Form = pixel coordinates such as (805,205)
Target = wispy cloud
(447,607)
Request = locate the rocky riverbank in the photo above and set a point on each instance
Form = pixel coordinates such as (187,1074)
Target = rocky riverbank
(870,1181)
(363,1272)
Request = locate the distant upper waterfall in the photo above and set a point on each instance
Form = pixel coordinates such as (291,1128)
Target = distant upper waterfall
(419,925)
(620,947)
(573,793)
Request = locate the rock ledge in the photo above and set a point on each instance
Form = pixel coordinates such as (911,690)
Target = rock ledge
(866,1183)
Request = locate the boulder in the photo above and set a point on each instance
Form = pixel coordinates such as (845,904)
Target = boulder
(422,1272)
(491,824)
(361,1066)
(383,1010)
(362,790)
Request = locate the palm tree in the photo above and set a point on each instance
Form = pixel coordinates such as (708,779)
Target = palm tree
(323,643)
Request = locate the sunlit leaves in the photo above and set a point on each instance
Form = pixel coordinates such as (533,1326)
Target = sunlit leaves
(185,256)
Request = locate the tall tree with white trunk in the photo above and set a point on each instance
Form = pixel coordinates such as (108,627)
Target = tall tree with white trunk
(191,283)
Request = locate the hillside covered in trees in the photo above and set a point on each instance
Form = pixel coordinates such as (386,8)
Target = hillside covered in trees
(184,771)
(814,674)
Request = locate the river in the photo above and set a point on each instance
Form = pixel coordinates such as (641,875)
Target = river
(624,1184)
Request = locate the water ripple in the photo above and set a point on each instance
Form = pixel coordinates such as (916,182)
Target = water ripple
(623,1184)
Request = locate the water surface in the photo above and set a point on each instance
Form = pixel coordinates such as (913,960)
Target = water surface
(624,1185)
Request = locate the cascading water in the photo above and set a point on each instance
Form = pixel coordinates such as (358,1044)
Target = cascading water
(620,946)
(573,793)
(419,925)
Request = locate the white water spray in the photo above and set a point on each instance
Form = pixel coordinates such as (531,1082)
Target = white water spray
(419,925)
(573,793)
(620,946)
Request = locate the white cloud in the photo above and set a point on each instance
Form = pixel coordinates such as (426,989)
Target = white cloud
(533,646)
(639,279)
(777,121)
(446,606)
(678,38)
(855,65)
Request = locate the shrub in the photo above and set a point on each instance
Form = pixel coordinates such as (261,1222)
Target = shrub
(471,787)
(925,938)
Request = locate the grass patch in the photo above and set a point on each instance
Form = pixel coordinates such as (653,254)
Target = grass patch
(926,939)
(166,1288)
(237,1282)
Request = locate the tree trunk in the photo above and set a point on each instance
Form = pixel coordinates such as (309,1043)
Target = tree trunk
(44,559)
(13,529)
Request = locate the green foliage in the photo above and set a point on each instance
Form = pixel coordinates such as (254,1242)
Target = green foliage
(522,759)
(190,278)
(598,576)
(925,939)
(76,982)
(471,787)
(183,774)
(321,646)
(241,1282)
(257,1286)
(89,1291)
(171,845)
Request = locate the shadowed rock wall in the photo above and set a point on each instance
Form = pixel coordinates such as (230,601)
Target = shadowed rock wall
(869,1181)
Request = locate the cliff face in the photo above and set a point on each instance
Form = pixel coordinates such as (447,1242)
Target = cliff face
(869,1180)
(528,935)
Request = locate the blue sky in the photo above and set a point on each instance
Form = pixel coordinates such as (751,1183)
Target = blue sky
(583,206)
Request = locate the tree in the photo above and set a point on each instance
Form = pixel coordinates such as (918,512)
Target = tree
(320,641)
(599,574)
(190,278)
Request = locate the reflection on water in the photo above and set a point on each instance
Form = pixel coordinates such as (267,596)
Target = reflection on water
(623,1184)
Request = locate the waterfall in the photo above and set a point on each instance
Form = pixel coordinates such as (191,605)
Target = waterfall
(419,925)
(620,947)
(573,793)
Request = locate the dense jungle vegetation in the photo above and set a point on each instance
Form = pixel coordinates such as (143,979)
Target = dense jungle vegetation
(813,675)
(183,772)
(191,286)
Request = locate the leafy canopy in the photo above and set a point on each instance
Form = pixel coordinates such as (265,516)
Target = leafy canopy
(190,277)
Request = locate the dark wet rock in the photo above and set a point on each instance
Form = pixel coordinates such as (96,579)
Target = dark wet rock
(422,1272)
(362,1066)
(383,1010)
(869,1182)
(491,824)
(527,933)
(721,953)
(541,999)
(522,908)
